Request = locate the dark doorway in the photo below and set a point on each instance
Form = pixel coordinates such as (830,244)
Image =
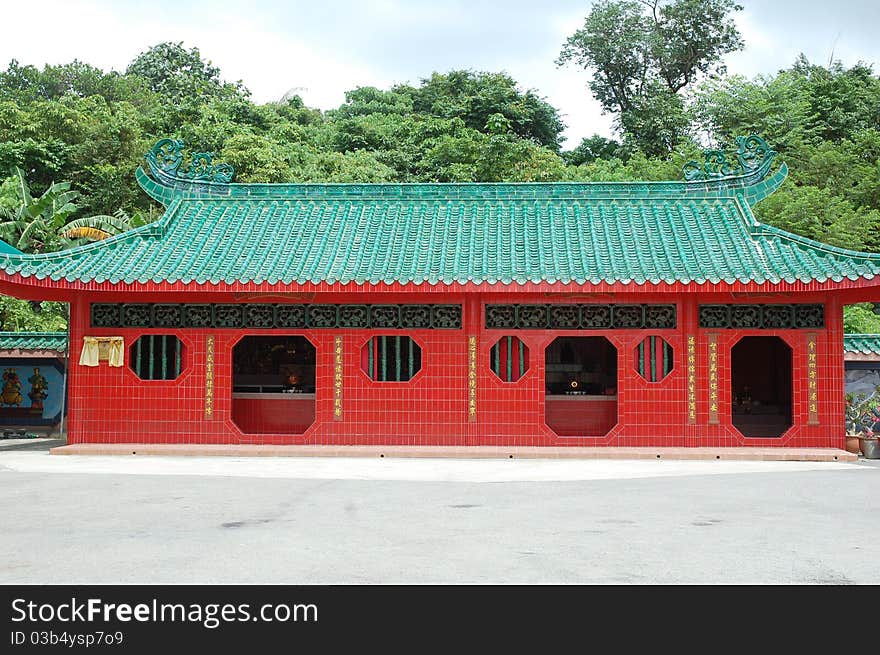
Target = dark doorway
(761,386)
(581,386)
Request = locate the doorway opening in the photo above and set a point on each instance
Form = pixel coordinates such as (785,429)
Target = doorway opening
(581,386)
(273,384)
(760,374)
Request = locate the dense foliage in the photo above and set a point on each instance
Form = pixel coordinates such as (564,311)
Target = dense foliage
(642,53)
(87,130)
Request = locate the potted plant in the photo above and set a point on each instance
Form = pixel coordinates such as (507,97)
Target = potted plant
(870,446)
(863,422)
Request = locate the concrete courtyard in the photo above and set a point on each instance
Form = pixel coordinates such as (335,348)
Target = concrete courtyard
(92,519)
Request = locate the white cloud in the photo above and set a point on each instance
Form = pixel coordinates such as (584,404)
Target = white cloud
(268,61)
(331,47)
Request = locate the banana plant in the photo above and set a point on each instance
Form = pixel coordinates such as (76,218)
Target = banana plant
(100,227)
(44,224)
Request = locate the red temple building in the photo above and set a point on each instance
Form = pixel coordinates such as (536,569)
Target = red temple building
(620,314)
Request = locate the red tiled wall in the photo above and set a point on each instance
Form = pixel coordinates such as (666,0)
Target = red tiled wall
(111,405)
(271,416)
(580,416)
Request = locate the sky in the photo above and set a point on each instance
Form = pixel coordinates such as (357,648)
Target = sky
(323,48)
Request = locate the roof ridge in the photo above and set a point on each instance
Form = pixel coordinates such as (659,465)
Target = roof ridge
(763,228)
(8,333)
(865,344)
(169,178)
(758,229)
(154,229)
(33,341)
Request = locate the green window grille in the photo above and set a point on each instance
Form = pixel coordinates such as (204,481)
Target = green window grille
(156,357)
(281,316)
(509,359)
(654,359)
(392,358)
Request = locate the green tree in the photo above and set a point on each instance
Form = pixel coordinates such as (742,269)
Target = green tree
(472,156)
(774,107)
(825,122)
(643,54)
(35,225)
(367,100)
(635,166)
(805,104)
(45,223)
(98,228)
(818,214)
(256,158)
(29,84)
(473,97)
(592,148)
(18,315)
(860,319)
(179,74)
(849,169)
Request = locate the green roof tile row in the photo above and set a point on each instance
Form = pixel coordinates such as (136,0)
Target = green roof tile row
(455,233)
(33,341)
(865,344)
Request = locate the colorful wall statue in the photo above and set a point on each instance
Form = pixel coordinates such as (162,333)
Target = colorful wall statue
(31,391)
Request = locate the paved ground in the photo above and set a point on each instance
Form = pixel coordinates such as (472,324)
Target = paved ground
(203,520)
(41,443)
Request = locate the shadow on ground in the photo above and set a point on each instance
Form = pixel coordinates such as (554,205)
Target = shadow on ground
(30,444)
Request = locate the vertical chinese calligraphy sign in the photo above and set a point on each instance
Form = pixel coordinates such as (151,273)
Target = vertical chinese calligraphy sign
(209,377)
(337,379)
(812,380)
(692,378)
(713,378)
(472,379)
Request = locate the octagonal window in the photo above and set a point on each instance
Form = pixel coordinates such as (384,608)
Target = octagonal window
(509,359)
(156,357)
(654,359)
(391,358)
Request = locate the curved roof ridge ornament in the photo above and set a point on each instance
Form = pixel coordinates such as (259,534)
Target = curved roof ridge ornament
(166,157)
(753,155)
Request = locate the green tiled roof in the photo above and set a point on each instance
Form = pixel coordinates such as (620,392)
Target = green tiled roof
(217,232)
(866,344)
(33,341)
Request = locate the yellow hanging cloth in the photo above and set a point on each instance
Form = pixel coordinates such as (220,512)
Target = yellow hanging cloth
(89,356)
(117,348)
